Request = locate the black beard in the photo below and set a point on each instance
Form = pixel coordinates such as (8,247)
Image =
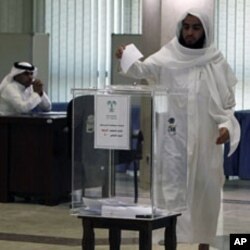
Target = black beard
(198,45)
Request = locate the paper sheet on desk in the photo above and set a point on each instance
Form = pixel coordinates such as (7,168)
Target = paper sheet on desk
(125,211)
(130,55)
(97,204)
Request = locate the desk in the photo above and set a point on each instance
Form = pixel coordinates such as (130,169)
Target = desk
(115,225)
(34,158)
(238,163)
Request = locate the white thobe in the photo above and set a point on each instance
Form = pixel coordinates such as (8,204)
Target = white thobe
(15,98)
(209,107)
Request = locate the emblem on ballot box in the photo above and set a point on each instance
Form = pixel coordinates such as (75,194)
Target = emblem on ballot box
(171,126)
(111,105)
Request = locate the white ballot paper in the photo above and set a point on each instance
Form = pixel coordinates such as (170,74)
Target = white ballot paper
(130,55)
(126,211)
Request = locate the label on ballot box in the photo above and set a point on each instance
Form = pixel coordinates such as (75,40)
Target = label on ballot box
(239,241)
(112,122)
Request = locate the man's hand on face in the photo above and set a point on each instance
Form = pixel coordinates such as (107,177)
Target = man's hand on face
(38,87)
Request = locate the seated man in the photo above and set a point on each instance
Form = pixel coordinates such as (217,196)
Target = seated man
(21,92)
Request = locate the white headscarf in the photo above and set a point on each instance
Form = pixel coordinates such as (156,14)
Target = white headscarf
(17,68)
(175,56)
(205,21)
(220,78)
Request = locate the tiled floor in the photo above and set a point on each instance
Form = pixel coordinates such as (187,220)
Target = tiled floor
(37,227)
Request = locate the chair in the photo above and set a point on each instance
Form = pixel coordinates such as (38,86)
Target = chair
(90,164)
(133,157)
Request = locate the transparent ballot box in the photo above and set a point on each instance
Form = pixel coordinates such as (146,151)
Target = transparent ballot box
(128,152)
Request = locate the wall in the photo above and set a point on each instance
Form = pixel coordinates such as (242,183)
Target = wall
(22,16)
(19,20)
(151,26)
(16,16)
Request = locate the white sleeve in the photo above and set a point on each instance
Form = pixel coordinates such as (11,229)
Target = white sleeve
(143,70)
(45,103)
(234,132)
(14,97)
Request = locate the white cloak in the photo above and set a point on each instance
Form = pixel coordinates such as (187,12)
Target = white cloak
(209,82)
(15,98)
